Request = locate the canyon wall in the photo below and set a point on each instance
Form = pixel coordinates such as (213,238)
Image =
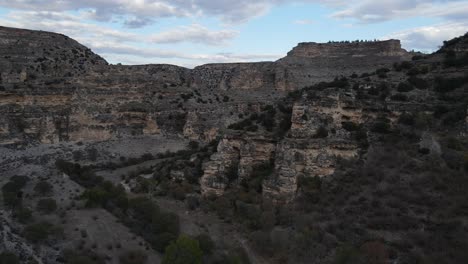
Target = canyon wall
(54,89)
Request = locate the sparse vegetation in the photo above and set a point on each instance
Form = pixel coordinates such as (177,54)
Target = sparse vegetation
(40,231)
(46,206)
(8,258)
(43,188)
(184,250)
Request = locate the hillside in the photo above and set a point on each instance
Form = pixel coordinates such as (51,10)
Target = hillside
(350,152)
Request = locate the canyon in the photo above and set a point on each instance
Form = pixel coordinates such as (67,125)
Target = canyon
(332,132)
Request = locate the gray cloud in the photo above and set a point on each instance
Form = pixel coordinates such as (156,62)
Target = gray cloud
(65,23)
(137,22)
(120,45)
(196,34)
(429,38)
(137,13)
(230,11)
(370,11)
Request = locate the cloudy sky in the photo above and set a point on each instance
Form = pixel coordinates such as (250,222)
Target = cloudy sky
(194,32)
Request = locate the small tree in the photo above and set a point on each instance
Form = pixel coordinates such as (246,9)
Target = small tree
(38,232)
(347,254)
(184,250)
(43,188)
(133,257)
(12,194)
(206,244)
(322,132)
(47,206)
(23,214)
(193,145)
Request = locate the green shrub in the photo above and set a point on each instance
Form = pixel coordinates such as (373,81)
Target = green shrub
(380,126)
(465,161)
(232,172)
(184,250)
(237,256)
(443,85)
(406,65)
(68,168)
(193,145)
(82,257)
(133,257)
(46,206)
(382,72)
(256,177)
(249,214)
(350,126)
(43,188)
(406,119)
(310,184)
(454,117)
(40,231)
(413,71)
(321,132)
(348,255)
(12,194)
(404,87)
(456,60)
(206,243)
(8,258)
(374,252)
(419,83)
(440,110)
(399,97)
(423,120)
(23,214)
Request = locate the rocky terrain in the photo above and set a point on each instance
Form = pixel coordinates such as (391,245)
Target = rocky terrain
(349,152)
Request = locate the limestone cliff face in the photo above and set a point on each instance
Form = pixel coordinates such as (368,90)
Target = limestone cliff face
(301,154)
(54,89)
(353,49)
(236,155)
(309,63)
(236,76)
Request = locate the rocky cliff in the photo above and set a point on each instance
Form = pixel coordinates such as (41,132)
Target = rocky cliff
(54,89)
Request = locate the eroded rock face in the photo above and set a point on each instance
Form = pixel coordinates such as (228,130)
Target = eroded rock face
(298,158)
(302,154)
(309,63)
(353,49)
(54,89)
(234,161)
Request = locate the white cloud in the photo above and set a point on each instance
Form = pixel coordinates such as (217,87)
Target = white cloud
(196,34)
(229,11)
(67,24)
(120,45)
(370,11)
(429,38)
(115,48)
(69,16)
